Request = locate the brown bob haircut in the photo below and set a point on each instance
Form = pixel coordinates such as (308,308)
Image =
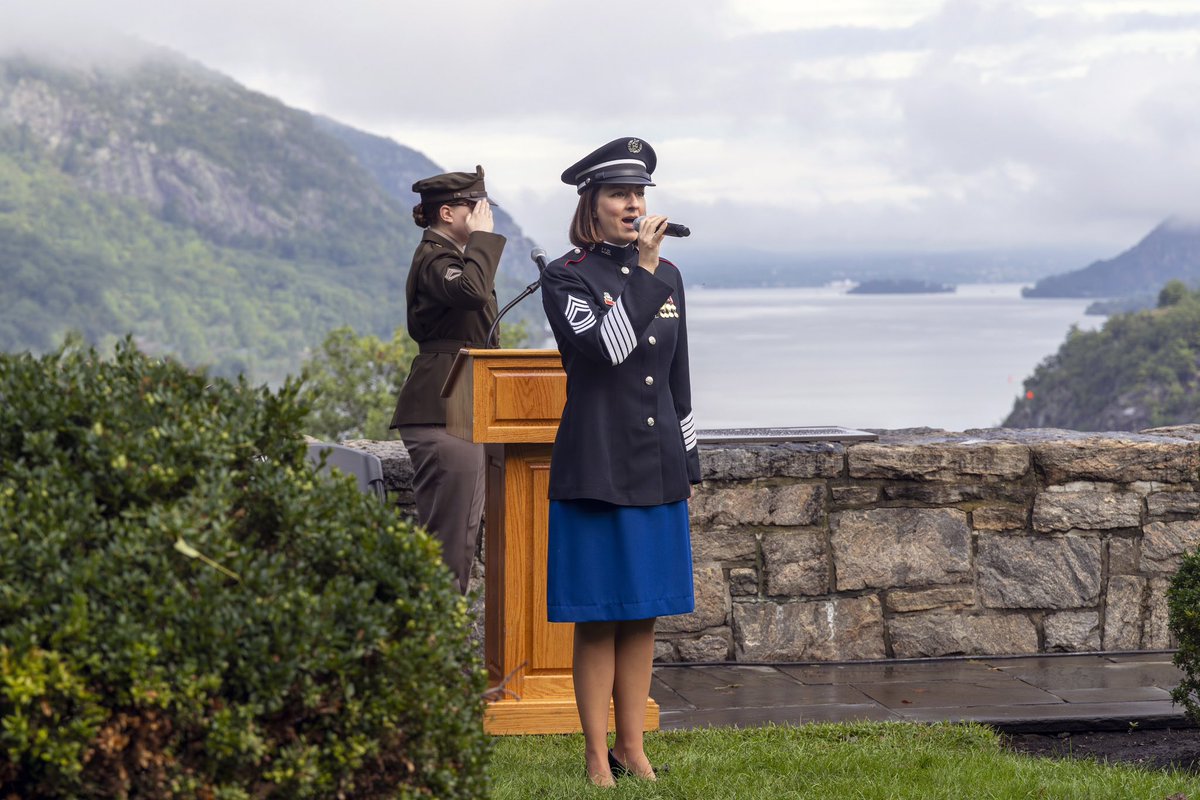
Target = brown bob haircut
(584,232)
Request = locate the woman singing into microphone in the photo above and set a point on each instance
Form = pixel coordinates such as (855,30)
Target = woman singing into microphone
(625,455)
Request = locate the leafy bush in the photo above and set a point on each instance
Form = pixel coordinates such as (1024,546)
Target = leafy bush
(186,610)
(1183,609)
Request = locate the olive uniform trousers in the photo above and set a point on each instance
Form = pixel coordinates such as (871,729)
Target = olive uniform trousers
(448,475)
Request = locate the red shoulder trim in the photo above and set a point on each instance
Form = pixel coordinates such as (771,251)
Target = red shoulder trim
(582,256)
(672,263)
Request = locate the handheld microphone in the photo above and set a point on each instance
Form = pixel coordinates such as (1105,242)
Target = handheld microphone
(672,228)
(539,257)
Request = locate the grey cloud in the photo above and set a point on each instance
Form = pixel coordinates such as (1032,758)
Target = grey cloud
(563,71)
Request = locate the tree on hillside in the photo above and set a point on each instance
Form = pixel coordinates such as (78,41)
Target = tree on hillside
(352,381)
(1173,293)
(1140,370)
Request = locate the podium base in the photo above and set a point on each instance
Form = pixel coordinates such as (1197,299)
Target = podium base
(517,717)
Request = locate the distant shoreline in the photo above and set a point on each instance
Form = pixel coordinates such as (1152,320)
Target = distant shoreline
(901,286)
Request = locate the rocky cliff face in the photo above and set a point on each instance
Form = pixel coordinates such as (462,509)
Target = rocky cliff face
(1131,409)
(189,145)
(214,223)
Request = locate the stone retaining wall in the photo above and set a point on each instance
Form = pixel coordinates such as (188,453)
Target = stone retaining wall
(928,543)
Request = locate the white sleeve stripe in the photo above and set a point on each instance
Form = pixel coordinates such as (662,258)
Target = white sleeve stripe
(615,351)
(689,432)
(623,325)
(614,354)
(618,322)
(620,332)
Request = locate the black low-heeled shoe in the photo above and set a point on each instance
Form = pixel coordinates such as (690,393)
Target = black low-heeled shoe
(619,770)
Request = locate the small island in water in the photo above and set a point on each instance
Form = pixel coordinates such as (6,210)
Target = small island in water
(900,286)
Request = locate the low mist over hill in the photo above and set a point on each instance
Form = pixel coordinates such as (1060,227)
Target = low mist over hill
(157,197)
(1170,251)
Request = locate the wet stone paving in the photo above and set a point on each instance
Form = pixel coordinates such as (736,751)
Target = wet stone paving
(1024,694)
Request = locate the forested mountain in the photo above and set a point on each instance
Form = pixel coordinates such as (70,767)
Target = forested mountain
(1170,251)
(1140,370)
(160,198)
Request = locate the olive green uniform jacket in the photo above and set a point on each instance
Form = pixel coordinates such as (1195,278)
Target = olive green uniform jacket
(451,304)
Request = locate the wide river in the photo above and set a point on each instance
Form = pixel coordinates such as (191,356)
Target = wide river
(819,356)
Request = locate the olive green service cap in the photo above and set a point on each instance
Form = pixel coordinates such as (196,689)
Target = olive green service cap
(626,160)
(451,186)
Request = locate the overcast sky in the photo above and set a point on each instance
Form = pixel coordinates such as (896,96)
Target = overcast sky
(798,125)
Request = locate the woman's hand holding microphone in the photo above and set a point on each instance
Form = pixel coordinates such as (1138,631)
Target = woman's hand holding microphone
(650,235)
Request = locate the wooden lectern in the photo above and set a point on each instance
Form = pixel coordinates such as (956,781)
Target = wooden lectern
(511,401)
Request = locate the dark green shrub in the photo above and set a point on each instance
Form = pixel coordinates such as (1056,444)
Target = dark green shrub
(1183,610)
(186,610)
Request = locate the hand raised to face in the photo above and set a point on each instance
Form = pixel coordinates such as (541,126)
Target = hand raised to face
(480,217)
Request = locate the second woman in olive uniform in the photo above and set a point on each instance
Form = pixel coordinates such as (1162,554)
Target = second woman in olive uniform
(451,304)
(625,455)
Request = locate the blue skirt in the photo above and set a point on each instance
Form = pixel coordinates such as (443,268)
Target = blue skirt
(609,562)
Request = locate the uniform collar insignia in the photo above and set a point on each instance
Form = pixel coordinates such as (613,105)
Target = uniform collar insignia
(622,254)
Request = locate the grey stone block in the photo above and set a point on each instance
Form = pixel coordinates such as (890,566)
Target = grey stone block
(1117,459)
(1093,511)
(1165,543)
(796,563)
(817,630)
(1039,571)
(1072,631)
(898,547)
(938,461)
(941,633)
(1123,613)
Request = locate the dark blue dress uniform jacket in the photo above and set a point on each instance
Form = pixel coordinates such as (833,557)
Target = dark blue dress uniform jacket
(627,435)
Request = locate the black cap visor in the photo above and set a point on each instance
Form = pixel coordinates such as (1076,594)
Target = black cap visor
(628,175)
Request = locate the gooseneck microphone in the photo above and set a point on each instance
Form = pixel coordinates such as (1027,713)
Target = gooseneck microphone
(539,257)
(673,229)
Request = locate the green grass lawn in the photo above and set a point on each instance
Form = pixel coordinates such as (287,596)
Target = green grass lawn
(868,760)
